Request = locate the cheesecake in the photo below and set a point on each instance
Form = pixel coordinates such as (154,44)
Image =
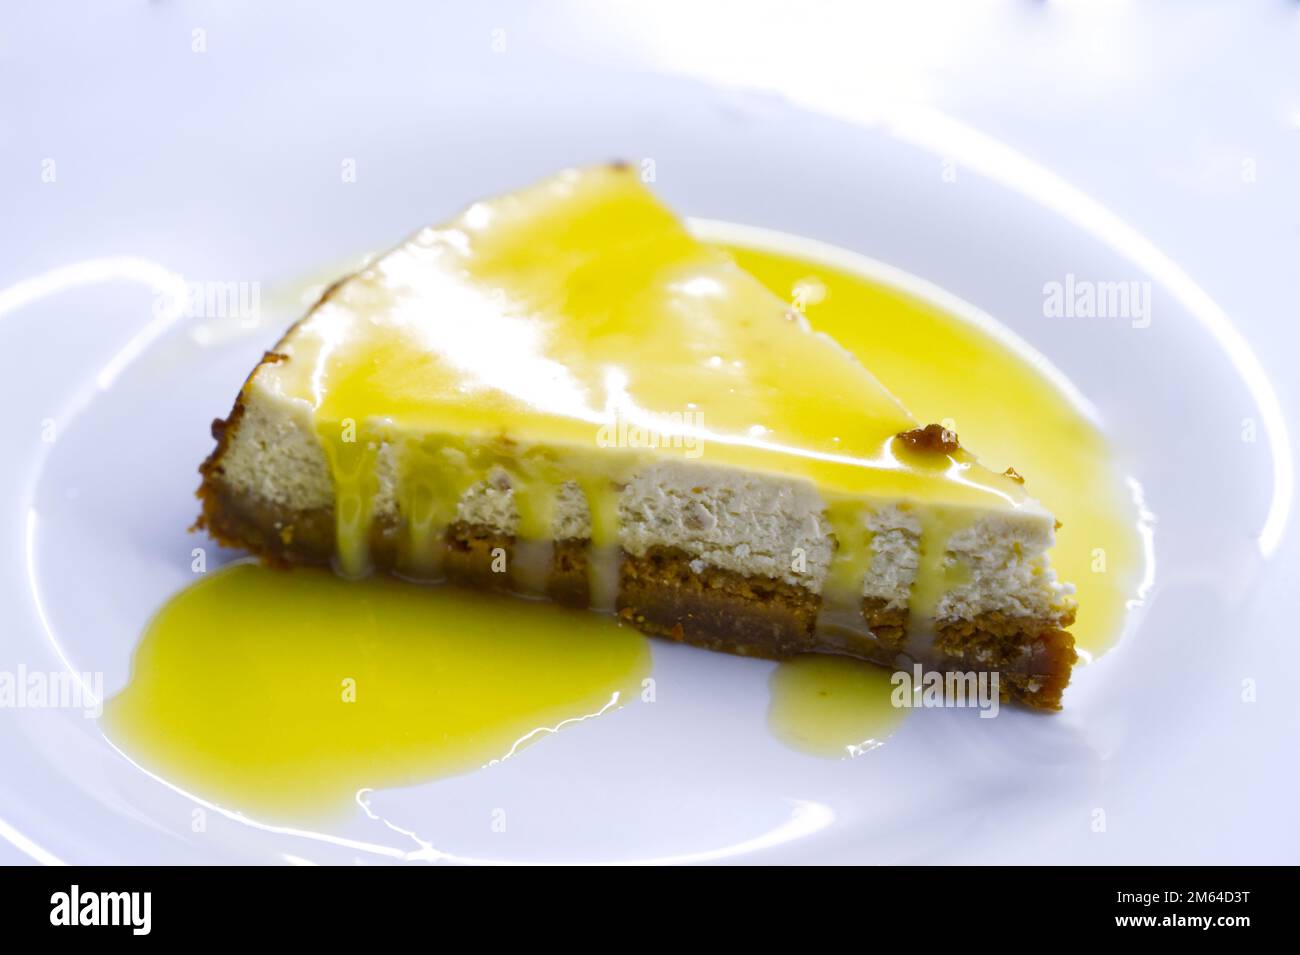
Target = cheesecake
(562,392)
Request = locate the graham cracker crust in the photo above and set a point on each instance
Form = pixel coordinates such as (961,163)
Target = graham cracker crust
(888,624)
(1034,667)
(661,594)
(716,609)
(279,537)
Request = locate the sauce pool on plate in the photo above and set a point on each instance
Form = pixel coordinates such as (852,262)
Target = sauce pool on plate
(285,693)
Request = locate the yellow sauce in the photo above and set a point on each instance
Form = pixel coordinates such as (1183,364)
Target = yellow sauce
(239,686)
(284,693)
(834,707)
(534,326)
(945,369)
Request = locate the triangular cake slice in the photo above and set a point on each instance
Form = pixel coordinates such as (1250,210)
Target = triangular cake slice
(562,391)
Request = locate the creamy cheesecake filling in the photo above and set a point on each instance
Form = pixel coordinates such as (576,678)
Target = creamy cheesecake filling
(523,370)
(568,363)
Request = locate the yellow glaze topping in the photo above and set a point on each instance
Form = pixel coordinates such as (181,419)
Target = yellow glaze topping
(947,369)
(575,331)
(284,693)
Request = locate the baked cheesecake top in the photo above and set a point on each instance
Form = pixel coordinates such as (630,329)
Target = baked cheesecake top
(580,314)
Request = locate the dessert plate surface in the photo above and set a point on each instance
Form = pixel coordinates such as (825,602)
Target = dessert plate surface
(259,149)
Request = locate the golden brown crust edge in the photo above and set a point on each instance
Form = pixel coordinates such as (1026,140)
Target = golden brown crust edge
(661,595)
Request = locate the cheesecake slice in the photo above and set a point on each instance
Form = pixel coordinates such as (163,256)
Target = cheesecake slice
(562,392)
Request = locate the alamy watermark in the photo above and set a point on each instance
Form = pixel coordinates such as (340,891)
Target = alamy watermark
(132,909)
(1082,298)
(238,300)
(675,430)
(25,689)
(922,689)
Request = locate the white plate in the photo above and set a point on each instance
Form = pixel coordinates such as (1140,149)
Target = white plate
(227,165)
